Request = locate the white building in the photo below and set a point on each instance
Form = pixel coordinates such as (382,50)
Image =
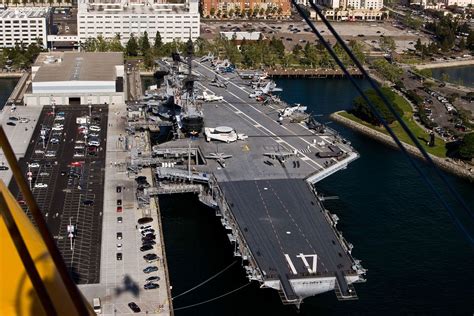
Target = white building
(25,25)
(459,3)
(352,4)
(73,78)
(110,17)
(354,10)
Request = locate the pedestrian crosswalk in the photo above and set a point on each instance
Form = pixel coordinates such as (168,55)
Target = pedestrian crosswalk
(305,150)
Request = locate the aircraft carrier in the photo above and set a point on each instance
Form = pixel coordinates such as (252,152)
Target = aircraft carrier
(262,188)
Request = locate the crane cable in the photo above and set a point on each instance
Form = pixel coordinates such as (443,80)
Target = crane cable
(212,299)
(204,282)
(427,181)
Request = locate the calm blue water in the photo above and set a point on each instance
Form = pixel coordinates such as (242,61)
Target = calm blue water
(6,88)
(463,75)
(418,263)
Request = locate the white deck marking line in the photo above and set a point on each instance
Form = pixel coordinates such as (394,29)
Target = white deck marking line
(290,263)
(301,124)
(270,132)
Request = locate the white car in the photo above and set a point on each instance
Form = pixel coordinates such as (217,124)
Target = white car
(94,134)
(50,154)
(94,128)
(24,120)
(34,165)
(119,246)
(41,185)
(59,118)
(44,174)
(58,128)
(39,151)
(93,143)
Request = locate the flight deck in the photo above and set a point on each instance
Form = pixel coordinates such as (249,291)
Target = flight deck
(262,187)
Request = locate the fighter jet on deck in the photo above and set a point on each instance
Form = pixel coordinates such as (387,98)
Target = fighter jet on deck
(219,157)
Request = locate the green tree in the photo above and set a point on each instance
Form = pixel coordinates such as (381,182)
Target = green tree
(132,46)
(388,71)
(231,13)
(462,44)
(418,45)
(362,109)
(470,41)
(212,12)
(158,43)
(387,44)
(102,45)
(466,149)
(144,43)
(115,44)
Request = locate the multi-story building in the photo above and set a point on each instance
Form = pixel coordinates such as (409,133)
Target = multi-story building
(24,25)
(280,8)
(351,9)
(174,21)
(37,3)
(459,3)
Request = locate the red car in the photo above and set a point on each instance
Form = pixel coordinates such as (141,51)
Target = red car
(119,209)
(76,163)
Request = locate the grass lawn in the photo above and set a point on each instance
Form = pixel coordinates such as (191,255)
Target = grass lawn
(438,150)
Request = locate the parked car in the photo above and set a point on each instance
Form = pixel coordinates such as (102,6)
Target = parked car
(119,189)
(153,278)
(146,248)
(150,257)
(2,168)
(149,242)
(119,219)
(119,202)
(94,128)
(150,269)
(119,236)
(151,286)
(119,256)
(119,209)
(11,124)
(119,246)
(34,165)
(41,185)
(134,307)
(88,202)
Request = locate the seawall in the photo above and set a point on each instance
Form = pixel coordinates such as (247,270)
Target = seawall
(457,168)
(10,75)
(445,64)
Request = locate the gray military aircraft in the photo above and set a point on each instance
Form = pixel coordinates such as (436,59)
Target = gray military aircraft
(219,157)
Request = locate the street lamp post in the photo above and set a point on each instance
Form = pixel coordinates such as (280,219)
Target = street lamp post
(89,101)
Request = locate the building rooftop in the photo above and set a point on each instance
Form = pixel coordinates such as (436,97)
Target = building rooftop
(73,66)
(239,36)
(141,7)
(24,13)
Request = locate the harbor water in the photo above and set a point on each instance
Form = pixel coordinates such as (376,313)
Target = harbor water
(418,262)
(462,75)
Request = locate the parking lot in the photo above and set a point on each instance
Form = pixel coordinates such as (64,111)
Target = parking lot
(292,33)
(66,175)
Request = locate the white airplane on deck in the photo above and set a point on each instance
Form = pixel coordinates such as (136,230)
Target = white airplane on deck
(209,97)
(288,111)
(223,134)
(269,88)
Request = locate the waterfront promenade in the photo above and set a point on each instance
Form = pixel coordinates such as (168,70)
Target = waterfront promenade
(455,167)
